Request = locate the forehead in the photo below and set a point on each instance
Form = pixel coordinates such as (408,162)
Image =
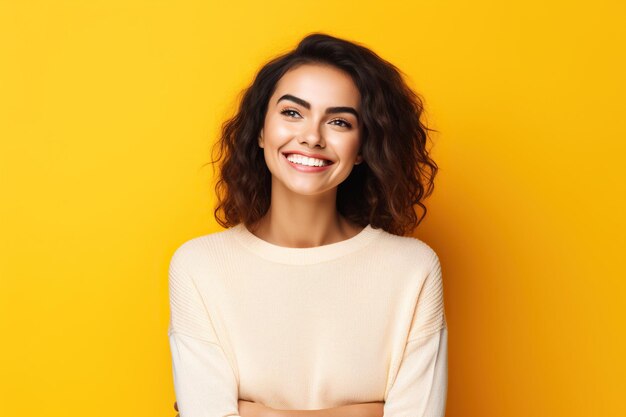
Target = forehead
(321,85)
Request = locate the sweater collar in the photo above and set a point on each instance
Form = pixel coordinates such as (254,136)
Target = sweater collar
(303,256)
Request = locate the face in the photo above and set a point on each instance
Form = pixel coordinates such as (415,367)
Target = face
(315,109)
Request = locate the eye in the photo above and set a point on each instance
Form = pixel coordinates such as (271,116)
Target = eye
(289,112)
(345,124)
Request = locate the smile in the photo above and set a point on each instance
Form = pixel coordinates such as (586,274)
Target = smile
(306,164)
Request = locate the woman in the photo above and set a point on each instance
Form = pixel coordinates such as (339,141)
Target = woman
(312,302)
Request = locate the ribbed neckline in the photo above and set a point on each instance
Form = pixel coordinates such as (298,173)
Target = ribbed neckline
(303,256)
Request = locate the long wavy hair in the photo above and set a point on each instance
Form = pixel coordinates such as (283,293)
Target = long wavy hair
(396,174)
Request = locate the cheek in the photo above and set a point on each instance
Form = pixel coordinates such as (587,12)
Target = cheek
(276,129)
(283,131)
(347,146)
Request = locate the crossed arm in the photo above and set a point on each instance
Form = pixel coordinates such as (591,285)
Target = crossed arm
(252,409)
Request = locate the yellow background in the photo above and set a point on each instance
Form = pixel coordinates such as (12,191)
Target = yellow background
(107,113)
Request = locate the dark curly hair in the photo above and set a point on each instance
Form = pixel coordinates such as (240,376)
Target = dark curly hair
(396,173)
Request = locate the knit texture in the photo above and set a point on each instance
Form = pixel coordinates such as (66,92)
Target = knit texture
(355,321)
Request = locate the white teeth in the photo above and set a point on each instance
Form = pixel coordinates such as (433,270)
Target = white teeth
(303,160)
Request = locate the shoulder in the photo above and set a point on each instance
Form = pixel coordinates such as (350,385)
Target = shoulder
(409,249)
(201,248)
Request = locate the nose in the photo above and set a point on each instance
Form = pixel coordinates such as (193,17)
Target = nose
(312,136)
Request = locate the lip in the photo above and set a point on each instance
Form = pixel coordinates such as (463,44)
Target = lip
(304,168)
(310,155)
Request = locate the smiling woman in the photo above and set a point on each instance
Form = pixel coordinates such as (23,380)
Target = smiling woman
(294,127)
(313,302)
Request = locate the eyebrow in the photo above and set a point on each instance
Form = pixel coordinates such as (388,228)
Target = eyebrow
(329,110)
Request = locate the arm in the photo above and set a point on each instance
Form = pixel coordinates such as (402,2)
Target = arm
(204,381)
(420,386)
(374,409)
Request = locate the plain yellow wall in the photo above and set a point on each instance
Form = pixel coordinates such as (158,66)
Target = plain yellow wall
(107,113)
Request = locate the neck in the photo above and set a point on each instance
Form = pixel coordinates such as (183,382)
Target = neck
(303,221)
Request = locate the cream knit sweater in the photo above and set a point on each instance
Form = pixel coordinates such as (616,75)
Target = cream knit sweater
(354,321)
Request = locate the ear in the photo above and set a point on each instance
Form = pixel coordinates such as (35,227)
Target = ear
(359,159)
(261,144)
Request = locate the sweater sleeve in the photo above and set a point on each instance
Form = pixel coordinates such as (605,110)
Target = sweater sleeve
(204,381)
(420,386)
